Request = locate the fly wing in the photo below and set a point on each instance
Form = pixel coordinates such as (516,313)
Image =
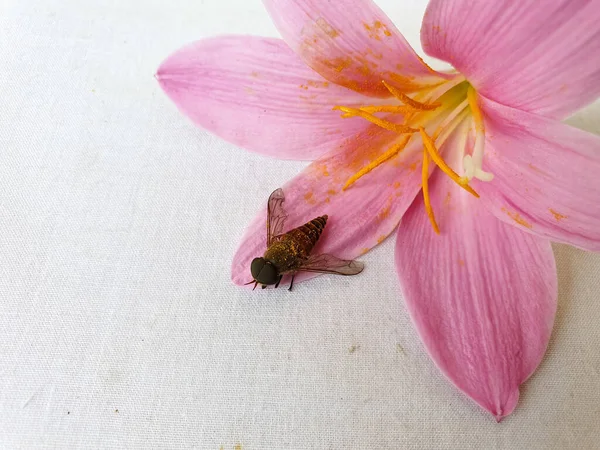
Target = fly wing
(275,215)
(325,263)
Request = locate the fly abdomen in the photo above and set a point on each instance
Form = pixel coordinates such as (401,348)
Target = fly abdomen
(295,245)
(314,228)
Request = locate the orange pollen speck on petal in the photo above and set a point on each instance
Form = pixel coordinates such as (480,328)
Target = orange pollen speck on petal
(317,84)
(558,216)
(447,199)
(377,29)
(340,64)
(327,28)
(321,169)
(385,212)
(536,169)
(517,218)
(309,197)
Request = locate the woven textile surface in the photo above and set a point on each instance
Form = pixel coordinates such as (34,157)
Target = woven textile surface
(119,325)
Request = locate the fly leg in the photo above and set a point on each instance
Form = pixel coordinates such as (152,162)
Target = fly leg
(292,282)
(278,281)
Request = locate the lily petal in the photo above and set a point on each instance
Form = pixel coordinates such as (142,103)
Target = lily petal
(538,56)
(351,43)
(257,93)
(360,217)
(545,176)
(482,295)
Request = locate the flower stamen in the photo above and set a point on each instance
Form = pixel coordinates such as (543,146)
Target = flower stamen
(439,161)
(416,114)
(409,101)
(425,188)
(386,124)
(389,154)
(411,109)
(403,109)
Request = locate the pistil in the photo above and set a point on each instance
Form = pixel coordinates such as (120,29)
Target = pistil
(472,164)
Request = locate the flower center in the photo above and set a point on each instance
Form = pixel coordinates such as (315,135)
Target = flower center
(441,109)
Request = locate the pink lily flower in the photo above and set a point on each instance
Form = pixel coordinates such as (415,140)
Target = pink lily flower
(346,90)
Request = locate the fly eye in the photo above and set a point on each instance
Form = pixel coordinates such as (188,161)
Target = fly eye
(256,266)
(264,271)
(268,274)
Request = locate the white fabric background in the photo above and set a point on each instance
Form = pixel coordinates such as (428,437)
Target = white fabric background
(119,326)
